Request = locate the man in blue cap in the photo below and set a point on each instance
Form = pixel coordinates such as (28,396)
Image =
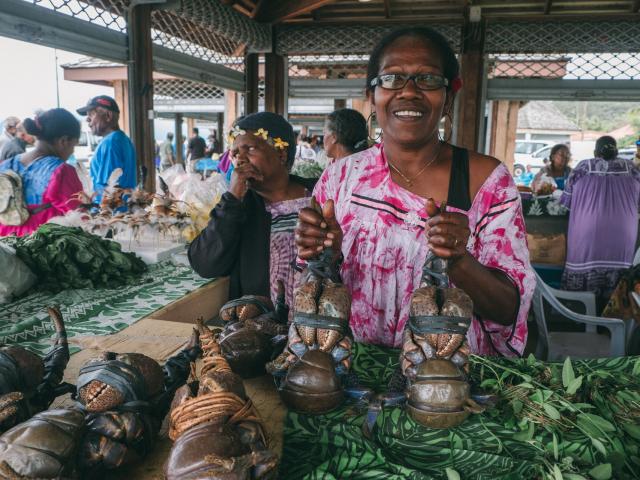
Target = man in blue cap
(115,150)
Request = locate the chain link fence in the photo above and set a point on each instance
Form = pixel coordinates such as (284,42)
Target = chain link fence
(104,13)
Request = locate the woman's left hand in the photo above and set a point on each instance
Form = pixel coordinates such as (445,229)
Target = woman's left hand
(447,233)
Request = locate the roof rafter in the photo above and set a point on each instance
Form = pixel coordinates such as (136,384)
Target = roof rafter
(286,10)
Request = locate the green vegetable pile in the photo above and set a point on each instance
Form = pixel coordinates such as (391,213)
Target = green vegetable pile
(306,169)
(582,417)
(68,257)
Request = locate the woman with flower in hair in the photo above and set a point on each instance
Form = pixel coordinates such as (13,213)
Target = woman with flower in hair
(48,183)
(250,236)
(376,211)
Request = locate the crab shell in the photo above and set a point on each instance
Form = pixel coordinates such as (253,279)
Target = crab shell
(439,396)
(42,447)
(247,351)
(97,396)
(194,454)
(311,385)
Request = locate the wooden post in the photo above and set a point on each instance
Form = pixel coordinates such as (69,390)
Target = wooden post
(140,73)
(121,96)
(178,137)
(504,123)
(363,106)
(220,132)
(231,111)
(339,103)
(470,108)
(251,80)
(275,83)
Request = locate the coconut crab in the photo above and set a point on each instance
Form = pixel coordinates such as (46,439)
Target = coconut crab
(28,383)
(435,351)
(125,397)
(217,431)
(318,352)
(44,446)
(254,332)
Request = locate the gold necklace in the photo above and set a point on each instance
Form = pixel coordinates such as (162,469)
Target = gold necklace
(409,181)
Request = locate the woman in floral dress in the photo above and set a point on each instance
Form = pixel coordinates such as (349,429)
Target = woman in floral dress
(374,207)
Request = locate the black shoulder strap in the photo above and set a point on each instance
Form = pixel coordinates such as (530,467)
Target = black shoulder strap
(458,195)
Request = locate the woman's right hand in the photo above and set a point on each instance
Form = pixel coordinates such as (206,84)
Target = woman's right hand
(315,232)
(243,174)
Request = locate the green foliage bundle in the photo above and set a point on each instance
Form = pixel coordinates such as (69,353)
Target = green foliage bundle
(583,416)
(68,257)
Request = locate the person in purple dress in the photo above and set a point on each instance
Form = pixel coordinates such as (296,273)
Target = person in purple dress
(603,194)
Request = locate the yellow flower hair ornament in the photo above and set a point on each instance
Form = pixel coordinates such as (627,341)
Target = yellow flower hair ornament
(279,143)
(235,132)
(262,133)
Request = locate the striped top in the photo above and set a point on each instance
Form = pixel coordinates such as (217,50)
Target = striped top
(282,250)
(384,249)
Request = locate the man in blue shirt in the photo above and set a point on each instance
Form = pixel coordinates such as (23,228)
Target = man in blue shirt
(115,150)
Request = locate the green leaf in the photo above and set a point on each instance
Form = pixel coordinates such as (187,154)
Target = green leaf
(567,373)
(555,447)
(631,429)
(525,385)
(636,368)
(452,474)
(599,446)
(551,411)
(601,472)
(573,476)
(517,406)
(598,421)
(574,385)
(531,360)
(525,435)
(557,474)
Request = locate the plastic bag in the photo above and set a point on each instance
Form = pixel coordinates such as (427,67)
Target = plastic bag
(545,185)
(15,276)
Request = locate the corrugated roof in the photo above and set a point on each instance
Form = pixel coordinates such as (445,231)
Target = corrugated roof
(91,62)
(544,116)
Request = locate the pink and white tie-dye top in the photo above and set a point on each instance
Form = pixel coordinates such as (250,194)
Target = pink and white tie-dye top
(384,249)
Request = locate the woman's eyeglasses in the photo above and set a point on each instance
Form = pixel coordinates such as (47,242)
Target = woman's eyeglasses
(397,81)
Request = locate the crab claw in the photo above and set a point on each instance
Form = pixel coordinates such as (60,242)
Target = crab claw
(9,405)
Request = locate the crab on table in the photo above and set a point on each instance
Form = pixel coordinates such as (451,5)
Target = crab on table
(28,383)
(217,432)
(318,353)
(125,397)
(254,332)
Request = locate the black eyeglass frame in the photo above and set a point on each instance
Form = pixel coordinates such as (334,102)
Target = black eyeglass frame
(377,81)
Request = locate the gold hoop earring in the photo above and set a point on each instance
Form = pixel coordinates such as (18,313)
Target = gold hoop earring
(370,120)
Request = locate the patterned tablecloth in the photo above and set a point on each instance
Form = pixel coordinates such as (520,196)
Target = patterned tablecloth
(94,311)
(333,446)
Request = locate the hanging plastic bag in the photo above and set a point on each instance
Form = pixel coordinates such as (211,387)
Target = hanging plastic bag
(15,276)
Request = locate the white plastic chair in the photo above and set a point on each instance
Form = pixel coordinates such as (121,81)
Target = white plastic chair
(588,344)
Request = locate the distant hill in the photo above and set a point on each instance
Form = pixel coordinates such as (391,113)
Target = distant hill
(600,116)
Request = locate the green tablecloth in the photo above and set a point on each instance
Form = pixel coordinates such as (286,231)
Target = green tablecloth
(332,446)
(94,311)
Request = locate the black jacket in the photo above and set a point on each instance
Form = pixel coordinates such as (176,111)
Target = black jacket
(236,243)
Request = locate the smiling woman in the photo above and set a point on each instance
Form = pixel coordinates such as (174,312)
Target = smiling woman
(375,213)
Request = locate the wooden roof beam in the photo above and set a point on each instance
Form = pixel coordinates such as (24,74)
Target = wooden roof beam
(635,8)
(547,7)
(286,10)
(387,8)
